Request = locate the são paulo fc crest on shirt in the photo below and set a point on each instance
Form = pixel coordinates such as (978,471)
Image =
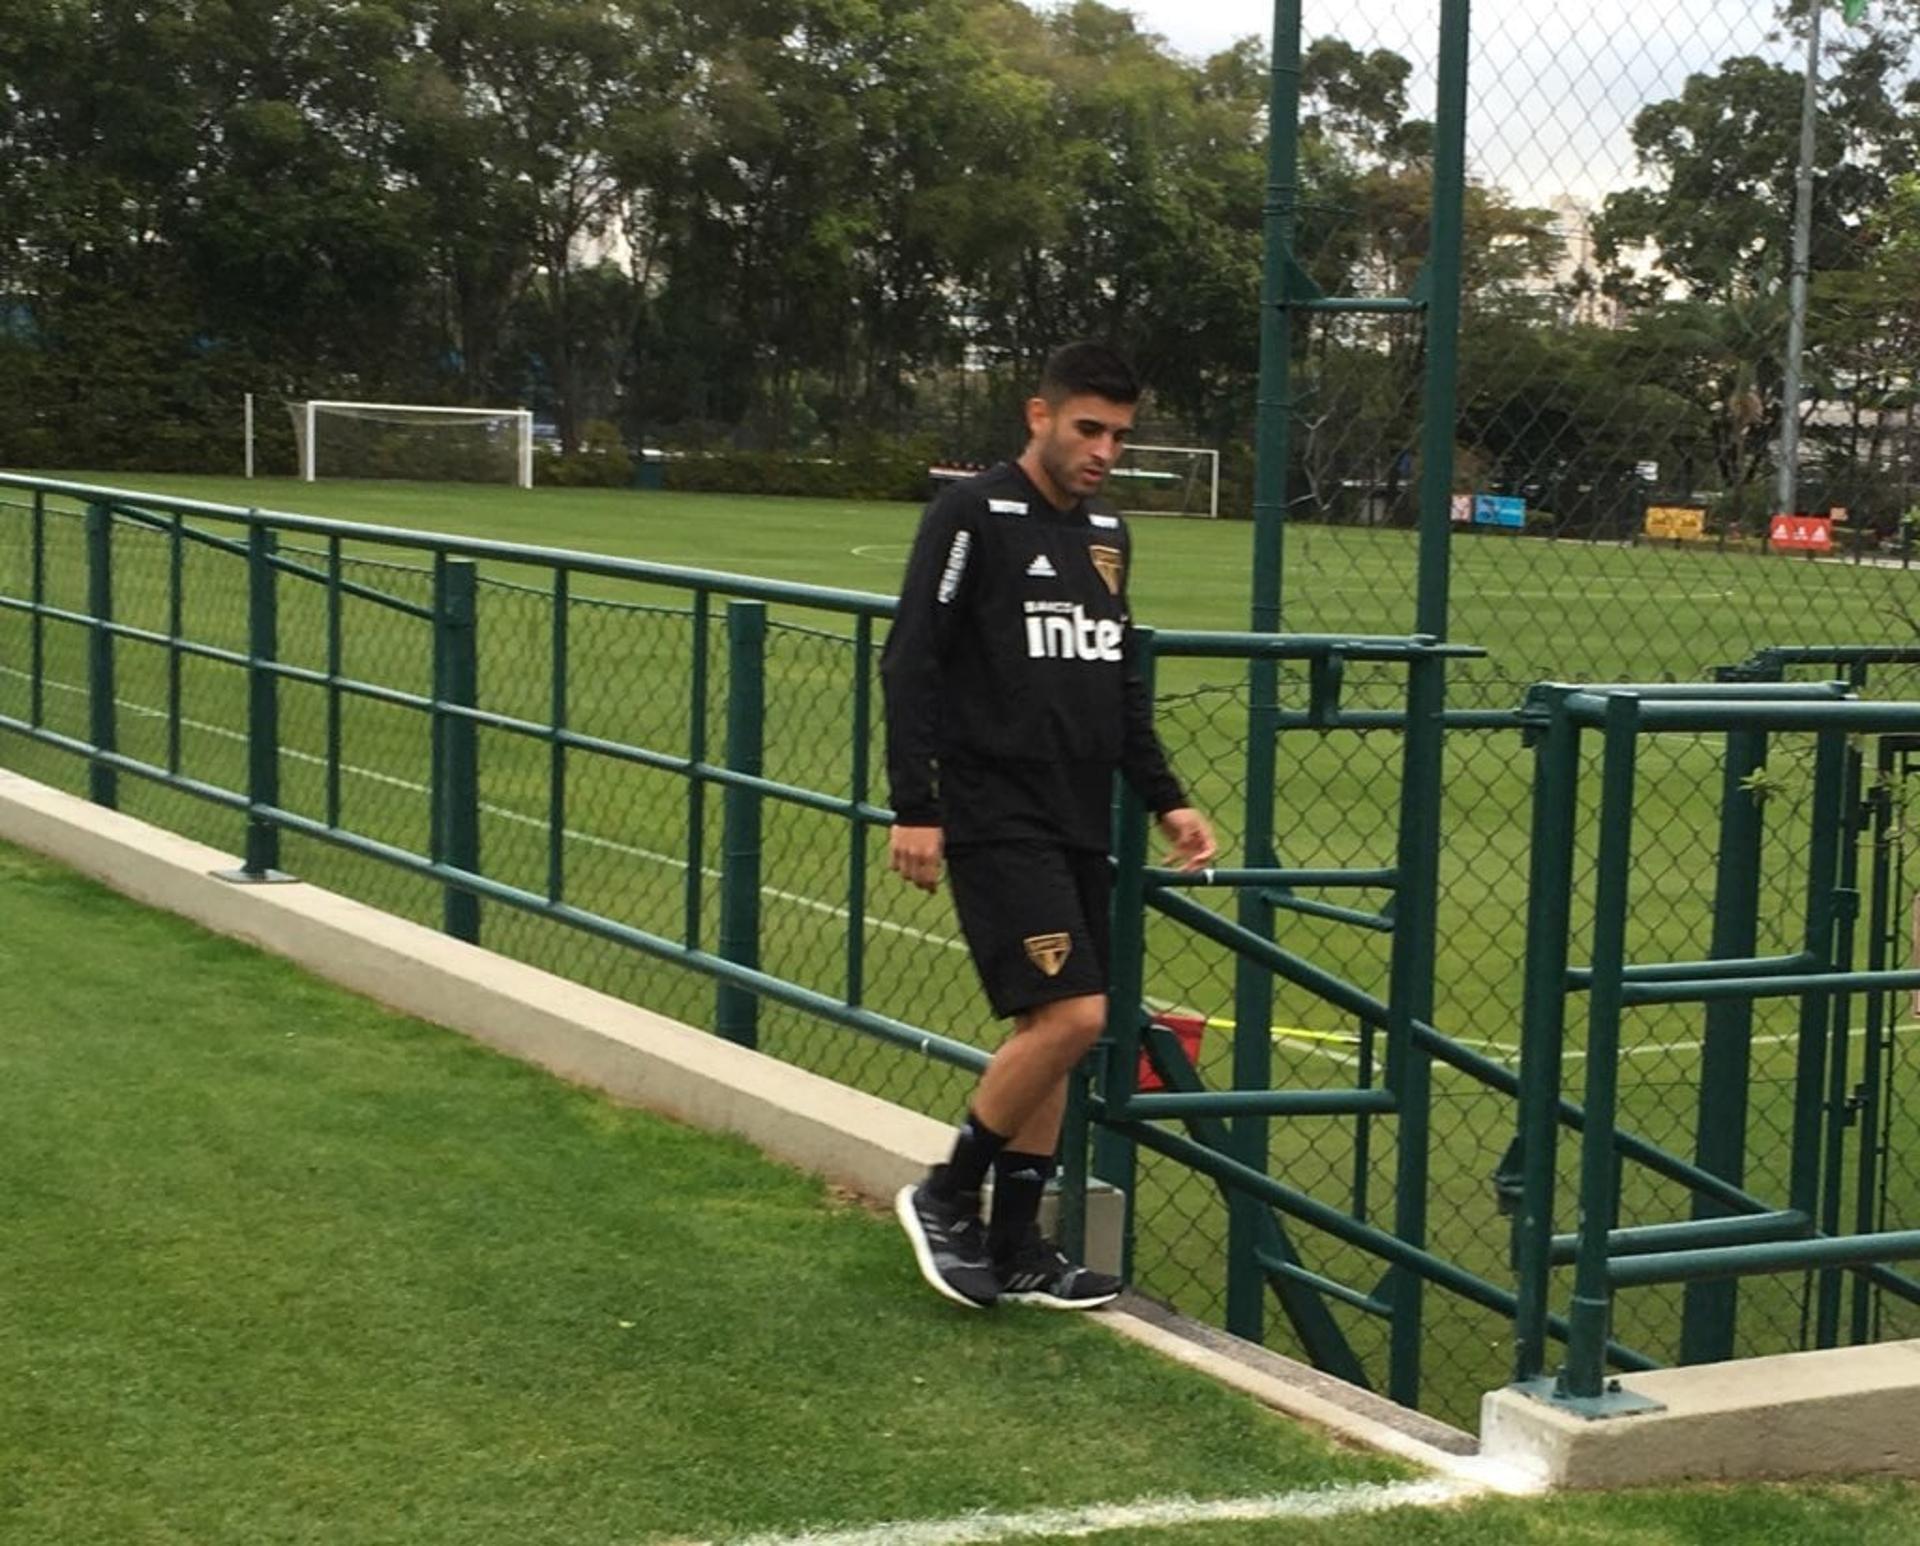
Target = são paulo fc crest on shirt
(1111,564)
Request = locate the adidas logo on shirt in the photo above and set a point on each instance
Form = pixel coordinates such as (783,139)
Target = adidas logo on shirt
(1042,569)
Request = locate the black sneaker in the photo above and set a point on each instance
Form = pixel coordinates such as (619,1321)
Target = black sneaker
(950,1244)
(1038,1272)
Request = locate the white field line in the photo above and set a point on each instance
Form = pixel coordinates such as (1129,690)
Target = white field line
(1785,1039)
(505,814)
(1146,1513)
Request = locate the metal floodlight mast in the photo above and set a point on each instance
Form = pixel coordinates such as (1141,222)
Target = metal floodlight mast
(1787,486)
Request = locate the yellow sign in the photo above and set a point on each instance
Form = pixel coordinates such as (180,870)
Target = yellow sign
(1676,523)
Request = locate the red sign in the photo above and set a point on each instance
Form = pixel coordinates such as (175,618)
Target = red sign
(1802,534)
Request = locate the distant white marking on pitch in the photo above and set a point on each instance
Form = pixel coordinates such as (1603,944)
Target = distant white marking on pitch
(1147,1513)
(883,552)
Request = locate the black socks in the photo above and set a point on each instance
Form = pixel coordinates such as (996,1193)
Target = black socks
(966,1169)
(1019,1182)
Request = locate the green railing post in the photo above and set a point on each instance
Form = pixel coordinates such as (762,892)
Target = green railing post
(1115,1156)
(859,789)
(1839,1108)
(456,671)
(1882,941)
(1720,1135)
(560,633)
(176,632)
(263,703)
(1253,985)
(103,782)
(700,621)
(1823,868)
(336,669)
(737,1012)
(37,629)
(1585,1373)
(1556,780)
(1415,940)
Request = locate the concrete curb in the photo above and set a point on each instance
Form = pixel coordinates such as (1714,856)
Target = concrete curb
(1839,1412)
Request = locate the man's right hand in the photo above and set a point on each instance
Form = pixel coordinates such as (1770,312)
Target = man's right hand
(914,853)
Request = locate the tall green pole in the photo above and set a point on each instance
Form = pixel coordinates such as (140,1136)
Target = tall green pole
(1720,1135)
(1409,1070)
(1253,986)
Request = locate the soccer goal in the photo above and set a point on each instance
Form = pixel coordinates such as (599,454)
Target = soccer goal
(411,440)
(1168,480)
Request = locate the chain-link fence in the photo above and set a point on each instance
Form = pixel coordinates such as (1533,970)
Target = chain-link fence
(1627,288)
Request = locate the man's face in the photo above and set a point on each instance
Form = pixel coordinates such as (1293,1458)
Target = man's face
(1079,440)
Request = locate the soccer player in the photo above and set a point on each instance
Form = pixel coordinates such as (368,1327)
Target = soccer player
(1012,698)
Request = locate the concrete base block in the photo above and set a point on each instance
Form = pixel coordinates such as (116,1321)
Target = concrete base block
(1851,1411)
(856,1140)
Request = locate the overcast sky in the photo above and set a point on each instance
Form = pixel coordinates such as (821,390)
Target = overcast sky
(1556,83)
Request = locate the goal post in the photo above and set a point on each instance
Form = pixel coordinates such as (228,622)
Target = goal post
(338,438)
(1168,480)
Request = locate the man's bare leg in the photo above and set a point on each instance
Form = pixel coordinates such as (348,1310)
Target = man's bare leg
(1023,1093)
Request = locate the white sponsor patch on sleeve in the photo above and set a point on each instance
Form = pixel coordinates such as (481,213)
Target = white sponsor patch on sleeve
(1103,520)
(950,577)
(1007,506)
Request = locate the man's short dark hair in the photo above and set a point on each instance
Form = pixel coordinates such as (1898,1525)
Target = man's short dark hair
(1089,370)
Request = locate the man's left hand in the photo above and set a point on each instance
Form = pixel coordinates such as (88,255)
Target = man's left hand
(1192,838)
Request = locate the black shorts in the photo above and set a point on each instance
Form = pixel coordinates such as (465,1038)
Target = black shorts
(1035,916)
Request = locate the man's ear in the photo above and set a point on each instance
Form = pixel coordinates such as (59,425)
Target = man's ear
(1039,417)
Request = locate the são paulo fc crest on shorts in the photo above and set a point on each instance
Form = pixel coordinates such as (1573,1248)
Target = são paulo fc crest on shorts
(1110,563)
(1049,952)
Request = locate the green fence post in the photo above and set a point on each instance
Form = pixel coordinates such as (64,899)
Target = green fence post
(176,632)
(1253,984)
(37,630)
(559,635)
(1585,1373)
(1556,780)
(103,782)
(1720,1136)
(1115,1156)
(859,791)
(1823,865)
(1882,941)
(263,703)
(456,663)
(1840,1112)
(700,621)
(737,1012)
(1415,940)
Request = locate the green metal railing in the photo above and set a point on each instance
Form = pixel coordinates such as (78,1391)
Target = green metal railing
(1732,1232)
(1188,1121)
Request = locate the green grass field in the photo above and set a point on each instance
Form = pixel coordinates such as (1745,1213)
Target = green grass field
(1545,610)
(283,1266)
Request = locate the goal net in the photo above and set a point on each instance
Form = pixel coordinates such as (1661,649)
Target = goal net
(1167,480)
(405,440)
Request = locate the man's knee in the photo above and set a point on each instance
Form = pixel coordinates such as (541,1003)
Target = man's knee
(1076,1022)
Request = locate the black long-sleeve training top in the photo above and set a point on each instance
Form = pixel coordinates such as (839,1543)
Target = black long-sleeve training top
(1012,687)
